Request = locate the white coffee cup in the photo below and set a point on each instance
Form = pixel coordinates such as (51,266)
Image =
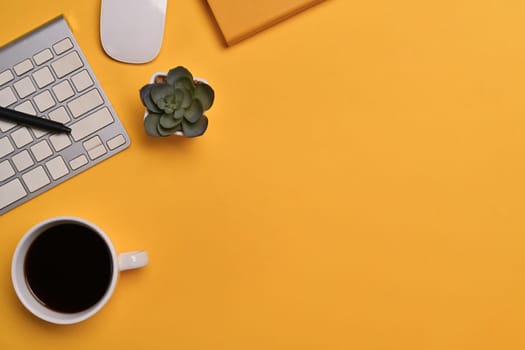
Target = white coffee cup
(119,261)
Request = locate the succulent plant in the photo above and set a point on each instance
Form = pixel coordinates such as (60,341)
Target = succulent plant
(176,103)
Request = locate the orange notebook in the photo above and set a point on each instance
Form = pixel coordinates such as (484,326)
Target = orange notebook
(239,19)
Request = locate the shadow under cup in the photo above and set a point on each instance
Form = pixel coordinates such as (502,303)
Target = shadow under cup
(64,270)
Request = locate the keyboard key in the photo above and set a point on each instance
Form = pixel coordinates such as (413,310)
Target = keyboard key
(11,192)
(78,162)
(38,132)
(62,46)
(22,160)
(23,67)
(57,168)
(67,64)
(21,137)
(59,115)
(27,107)
(5,125)
(35,179)
(96,152)
(82,80)
(41,150)
(7,97)
(94,147)
(63,91)
(91,123)
(24,87)
(44,101)
(6,170)
(116,141)
(5,146)
(92,143)
(43,77)
(85,103)
(5,77)
(43,56)
(59,141)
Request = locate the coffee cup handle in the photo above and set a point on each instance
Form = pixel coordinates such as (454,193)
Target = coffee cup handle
(132,260)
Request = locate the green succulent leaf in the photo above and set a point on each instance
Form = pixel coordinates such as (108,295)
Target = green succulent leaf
(178,73)
(179,113)
(205,94)
(168,131)
(179,97)
(187,99)
(159,93)
(145,96)
(194,112)
(184,83)
(150,124)
(195,129)
(167,121)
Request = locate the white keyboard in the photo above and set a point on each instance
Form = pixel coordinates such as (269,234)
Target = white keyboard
(45,73)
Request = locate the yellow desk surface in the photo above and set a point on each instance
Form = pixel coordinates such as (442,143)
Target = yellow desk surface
(360,186)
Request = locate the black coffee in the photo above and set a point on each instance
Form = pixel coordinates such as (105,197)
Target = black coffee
(68,267)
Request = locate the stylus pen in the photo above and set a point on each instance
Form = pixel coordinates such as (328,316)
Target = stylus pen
(31,120)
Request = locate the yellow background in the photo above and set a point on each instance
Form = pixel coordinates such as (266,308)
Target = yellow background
(360,186)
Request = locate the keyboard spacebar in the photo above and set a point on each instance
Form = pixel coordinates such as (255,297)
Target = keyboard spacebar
(91,123)
(11,192)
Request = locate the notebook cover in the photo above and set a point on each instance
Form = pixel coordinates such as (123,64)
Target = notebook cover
(239,19)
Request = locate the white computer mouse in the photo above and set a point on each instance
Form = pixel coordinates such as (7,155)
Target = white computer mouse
(132,30)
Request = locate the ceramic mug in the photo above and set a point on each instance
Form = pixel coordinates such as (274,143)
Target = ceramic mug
(58,262)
